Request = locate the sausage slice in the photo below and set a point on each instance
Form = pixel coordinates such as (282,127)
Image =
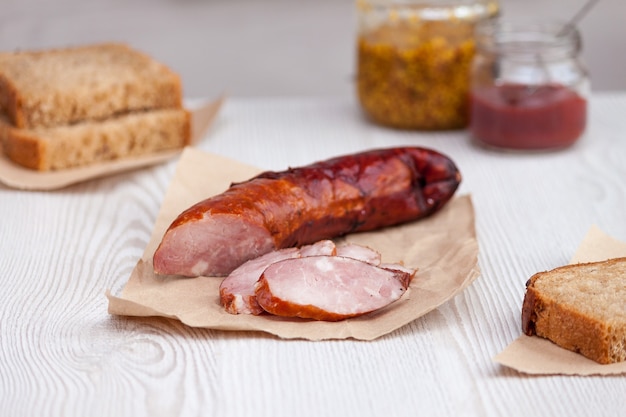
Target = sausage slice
(237,289)
(329,288)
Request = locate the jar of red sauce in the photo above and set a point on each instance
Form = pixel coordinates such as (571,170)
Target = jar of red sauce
(528,88)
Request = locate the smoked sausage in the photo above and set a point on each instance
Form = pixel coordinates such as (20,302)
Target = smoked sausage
(299,206)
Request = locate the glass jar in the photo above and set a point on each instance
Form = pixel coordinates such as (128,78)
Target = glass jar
(414,59)
(529,89)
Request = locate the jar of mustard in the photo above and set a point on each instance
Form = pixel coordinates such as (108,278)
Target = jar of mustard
(414,58)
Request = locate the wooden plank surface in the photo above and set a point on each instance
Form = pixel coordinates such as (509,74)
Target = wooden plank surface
(61,354)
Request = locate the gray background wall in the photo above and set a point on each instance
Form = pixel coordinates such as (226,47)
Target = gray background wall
(267,47)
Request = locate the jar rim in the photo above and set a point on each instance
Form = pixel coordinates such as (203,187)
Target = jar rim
(544,38)
(433,3)
(435,10)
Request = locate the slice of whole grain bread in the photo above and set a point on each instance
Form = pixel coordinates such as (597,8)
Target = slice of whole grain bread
(80,144)
(581,308)
(54,87)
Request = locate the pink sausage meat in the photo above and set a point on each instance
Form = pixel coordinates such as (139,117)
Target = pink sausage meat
(329,288)
(237,289)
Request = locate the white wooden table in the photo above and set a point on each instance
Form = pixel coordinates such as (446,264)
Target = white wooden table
(61,354)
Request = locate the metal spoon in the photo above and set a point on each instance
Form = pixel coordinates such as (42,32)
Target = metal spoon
(514,98)
(582,12)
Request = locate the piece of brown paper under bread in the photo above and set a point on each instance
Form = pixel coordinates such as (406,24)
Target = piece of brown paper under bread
(535,355)
(16,176)
(443,247)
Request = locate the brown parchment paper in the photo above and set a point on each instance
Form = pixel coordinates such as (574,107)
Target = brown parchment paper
(16,176)
(443,247)
(535,355)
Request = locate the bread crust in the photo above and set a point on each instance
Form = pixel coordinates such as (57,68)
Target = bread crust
(549,315)
(56,87)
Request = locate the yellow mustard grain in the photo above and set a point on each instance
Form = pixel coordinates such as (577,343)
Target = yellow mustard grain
(416,76)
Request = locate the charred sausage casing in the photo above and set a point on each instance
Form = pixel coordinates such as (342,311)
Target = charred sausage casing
(275,210)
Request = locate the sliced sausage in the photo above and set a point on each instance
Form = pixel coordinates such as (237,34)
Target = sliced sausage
(237,289)
(329,288)
(362,253)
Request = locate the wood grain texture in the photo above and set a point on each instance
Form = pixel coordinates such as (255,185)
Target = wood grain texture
(61,354)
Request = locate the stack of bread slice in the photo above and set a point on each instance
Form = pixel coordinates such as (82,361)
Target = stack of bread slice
(82,105)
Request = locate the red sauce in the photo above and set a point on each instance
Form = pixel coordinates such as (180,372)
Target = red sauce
(515,116)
